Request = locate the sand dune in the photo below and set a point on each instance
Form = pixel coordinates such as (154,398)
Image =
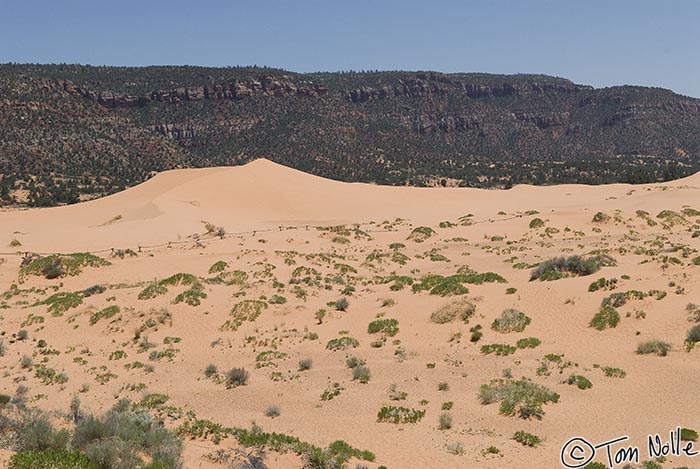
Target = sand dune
(297,271)
(262,194)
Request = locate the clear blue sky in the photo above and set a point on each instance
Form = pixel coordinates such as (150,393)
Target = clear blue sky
(602,43)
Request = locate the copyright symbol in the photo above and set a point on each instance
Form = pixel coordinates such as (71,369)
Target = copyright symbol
(577,452)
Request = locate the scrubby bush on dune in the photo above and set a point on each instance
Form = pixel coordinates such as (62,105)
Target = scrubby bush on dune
(121,438)
(421,233)
(236,377)
(462,309)
(606,317)
(560,267)
(657,347)
(527,439)
(511,320)
(521,397)
(59,265)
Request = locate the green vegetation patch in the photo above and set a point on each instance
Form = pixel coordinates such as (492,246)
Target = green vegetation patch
(246,310)
(60,265)
(521,397)
(395,414)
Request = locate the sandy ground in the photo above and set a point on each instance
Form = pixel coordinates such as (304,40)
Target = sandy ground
(273,218)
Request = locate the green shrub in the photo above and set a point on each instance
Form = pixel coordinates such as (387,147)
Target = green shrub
(421,233)
(394,414)
(536,223)
(342,304)
(389,327)
(342,343)
(511,320)
(657,347)
(602,284)
(606,317)
(563,266)
(580,381)
(210,371)
(529,342)
(693,335)
(236,377)
(527,439)
(361,373)
(688,435)
(498,349)
(611,372)
(51,459)
(522,397)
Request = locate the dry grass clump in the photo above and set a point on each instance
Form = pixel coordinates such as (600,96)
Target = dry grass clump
(511,320)
(462,309)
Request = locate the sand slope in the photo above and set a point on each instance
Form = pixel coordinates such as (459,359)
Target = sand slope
(651,252)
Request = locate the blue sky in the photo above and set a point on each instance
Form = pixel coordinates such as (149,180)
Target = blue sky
(602,43)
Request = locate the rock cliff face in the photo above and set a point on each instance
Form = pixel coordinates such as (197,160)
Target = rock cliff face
(99,129)
(235,90)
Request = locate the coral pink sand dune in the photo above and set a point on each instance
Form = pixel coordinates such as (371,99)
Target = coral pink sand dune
(262,194)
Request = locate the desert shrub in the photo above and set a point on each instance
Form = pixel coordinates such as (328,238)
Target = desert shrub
(105,313)
(60,302)
(218,267)
(94,290)
(277,300)
(688,435)
(25,362)
(342,343)
(51,459)
(511,320)
(476,333)
(272,411)
(246,310)
(421,233)
(522,397)
(606,317)
(34,432)
(498,349)
(443,387)
(602,284)
(536,223)
(389,327)
(527,439)
(361,373)
(121,436)
(656,347)
(236,377)
(455,447)
(192,296)
(693,335)
(210,371)
(305,364)
(22,334)
(394,414)
(442,286)
(611,372)
(580,381)
(445,421)
(462,308)
(342,304)
(563,266)
(529,342)
(58,265)
(600,217)
(352,362)
(2,348)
